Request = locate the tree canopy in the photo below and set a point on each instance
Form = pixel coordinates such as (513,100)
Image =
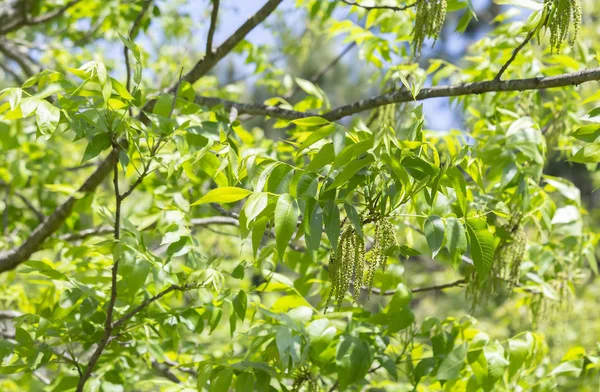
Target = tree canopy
(371,195)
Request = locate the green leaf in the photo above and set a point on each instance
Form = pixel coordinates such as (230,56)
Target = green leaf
(222,380)
(315,136)
(353,359)
(452,365)
(588,154)
(497,364)
(244,382)
(99,143)
(482,246)
(255,204)
(350,170)
(227,194)
(310,121)
(23,338)
(308,185)
(314,229)
(286,220)
(332,222)
(324,157)
(240,303)
(47,117)
(434,232)
(456,240)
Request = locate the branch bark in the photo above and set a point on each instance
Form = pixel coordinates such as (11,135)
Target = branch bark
(400,96)
(380,7)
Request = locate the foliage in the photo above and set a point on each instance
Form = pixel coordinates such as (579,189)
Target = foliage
(161,235)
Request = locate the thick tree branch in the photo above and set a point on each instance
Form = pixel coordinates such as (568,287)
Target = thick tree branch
(400,96)
(380,7)
(11,259)
(25,20)
(213,26)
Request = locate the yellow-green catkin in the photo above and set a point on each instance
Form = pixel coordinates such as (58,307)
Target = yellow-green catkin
(351,265)
(506,266)
(562,17)
(429,20)
(346,266)
(510,255)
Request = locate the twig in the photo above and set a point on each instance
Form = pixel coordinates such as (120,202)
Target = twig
(39,215)
(380,7)
(132,34)
(514,55)
(211,30)
(147,302)
(108,322)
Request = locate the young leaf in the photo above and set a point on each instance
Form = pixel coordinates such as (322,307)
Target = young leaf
(286,220)
(456,240)
(227,194)
(482,246)
(452,365)
(434,232)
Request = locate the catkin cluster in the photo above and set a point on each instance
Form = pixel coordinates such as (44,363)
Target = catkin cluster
(429,21)
(303,376)
(350,264)
(510,256)
(558,17)
(505,269)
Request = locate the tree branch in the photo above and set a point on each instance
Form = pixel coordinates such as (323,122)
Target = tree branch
(108,323)
(11,259)
(380,7)
(26,21)
(146,303)
(514,54)
(39,215)
(400,96)
(212,28)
